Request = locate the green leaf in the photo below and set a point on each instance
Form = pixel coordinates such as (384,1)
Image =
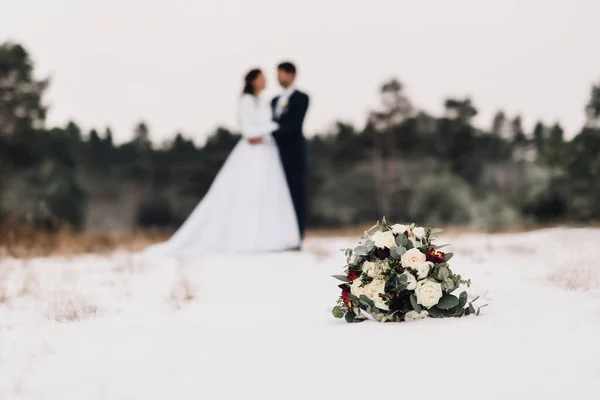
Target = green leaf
(342,278)
(413,302)
(471,309)
(447,302)
(443,274)
(394,253)
(409,245)
(440,246)
(437,230)
(462,300)
(398,283)
(361,251)
(350,317)
(448,256)
(435,312)
(365,300)
(370,245)
(402,240)
(448,284)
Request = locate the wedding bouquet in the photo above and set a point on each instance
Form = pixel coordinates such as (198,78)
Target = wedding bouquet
(398,274)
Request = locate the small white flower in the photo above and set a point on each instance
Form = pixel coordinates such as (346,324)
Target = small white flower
(399,228)
(410,278)
(419,232)
(412,258)
(384,239)
(373,291)
(423,269)
(375,269)
(415,316)
(428,293)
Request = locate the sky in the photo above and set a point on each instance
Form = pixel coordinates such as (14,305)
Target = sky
(178,64)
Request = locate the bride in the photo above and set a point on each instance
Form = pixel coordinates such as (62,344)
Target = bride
(248,207)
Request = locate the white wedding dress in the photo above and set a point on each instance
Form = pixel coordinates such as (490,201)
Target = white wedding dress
(248,207)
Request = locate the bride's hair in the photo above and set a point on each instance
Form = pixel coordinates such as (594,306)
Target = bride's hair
(249,80)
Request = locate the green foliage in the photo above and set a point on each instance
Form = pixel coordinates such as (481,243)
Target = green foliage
(404,163)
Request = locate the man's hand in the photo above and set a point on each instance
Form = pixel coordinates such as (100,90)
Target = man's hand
(256,140)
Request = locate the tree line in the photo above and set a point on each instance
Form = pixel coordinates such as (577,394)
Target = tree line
(404,163)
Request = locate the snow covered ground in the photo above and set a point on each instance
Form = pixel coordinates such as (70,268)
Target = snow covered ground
(260,327)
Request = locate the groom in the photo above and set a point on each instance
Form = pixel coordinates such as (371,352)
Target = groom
(289,110)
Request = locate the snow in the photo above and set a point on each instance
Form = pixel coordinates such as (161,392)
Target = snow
(260,327)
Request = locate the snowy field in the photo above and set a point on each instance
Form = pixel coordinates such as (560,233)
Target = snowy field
(260,327)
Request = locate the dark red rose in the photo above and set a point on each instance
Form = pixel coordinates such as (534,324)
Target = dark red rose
(406,234)
(352,275)
(346,297)
(435,256)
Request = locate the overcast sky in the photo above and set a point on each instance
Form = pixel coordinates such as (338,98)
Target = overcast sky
(178,64)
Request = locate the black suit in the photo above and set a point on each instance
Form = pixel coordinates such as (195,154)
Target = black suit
(292,149)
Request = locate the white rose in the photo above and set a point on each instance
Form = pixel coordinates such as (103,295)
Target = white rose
(370,269)
(412,258)
(428,293)
(373,290)
(415,316)
(399,228)
(423,269)
(384,239)
(412,281)
(419,232)
(355,288)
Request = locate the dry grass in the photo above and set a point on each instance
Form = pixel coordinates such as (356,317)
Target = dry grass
(72,310)
(22,241)
(578,275)
(183,292)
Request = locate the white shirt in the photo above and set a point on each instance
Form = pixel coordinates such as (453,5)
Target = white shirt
(282,102)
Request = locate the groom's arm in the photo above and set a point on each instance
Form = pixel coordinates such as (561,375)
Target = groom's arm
(294,126)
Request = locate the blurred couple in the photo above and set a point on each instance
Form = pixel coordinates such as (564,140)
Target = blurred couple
(257,202)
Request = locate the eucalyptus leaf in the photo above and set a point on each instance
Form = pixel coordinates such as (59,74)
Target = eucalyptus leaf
(447,302)
(435,312)
(342,278)
(462,299)
(350,317)
(370,245)
(416,306)
(436,230)
(402,240)
(448,256)
(364,299)
(448,284)
(443,274)
(361,251)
